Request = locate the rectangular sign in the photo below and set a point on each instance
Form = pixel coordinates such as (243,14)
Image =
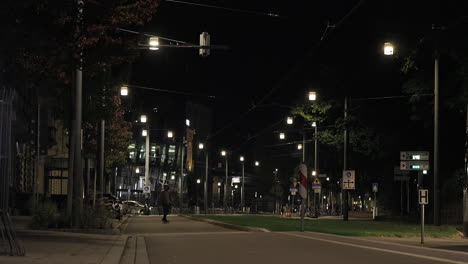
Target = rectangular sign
(146,189)
(293,190)
(349,179)
(423,196)
(236,179)
(315,187)
(414,165)
(322,175)
(414,155)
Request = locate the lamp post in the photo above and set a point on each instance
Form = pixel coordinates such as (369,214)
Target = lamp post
(223,153)
(242,185)
(143,119)
(201,146)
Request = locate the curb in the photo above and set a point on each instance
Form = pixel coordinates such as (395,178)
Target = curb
(226,225)
(114,255)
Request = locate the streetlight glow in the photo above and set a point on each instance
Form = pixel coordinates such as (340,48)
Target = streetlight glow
(154,43)
(241,158)
(388,48)
(169,134)
(314,124)
(124,90)
(289,120)
(312,96)
(198,181)
(173,177)
(314,173)
(219,183)
(200,146)
(137,170)
(187,122)
(282,136)
(143,118)
(144,132)
(299,146)
(223,153)
(257,163)
(236,186)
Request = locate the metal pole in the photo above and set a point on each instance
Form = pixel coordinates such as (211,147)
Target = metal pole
(345,159)
(303,145)
(422,223)
(375,205)
(242,189)
(181,174)
(101,158)
(205,190)
(407,198)
(38,154)
(147,158)
(465,198)
(316,151)
(225,186)
(401,198)
(436,140)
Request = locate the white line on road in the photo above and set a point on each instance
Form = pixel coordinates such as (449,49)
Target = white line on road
(378,249)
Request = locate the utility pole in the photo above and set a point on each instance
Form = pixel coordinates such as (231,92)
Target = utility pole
(181,174)
(205,186)
(465,191)
(225,186)
(436,139)
(345,160)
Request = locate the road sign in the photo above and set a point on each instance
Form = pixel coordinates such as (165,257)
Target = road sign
(414,155)
(414,165)
(146,189)
(375,187)
(293,190)
(316,181)
(423,196)
(349,181)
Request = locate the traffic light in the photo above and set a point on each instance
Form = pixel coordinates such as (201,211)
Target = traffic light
(204,41)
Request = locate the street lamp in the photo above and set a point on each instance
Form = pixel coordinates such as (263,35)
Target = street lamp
(187,122)
(137,170)
(312,96)
(242,186)
(388,48)
(200,146)
(143,118)
(257,163)
(124,91)
(223,153)
(205,185)
(144,132)
(153,43)
(282,136)
(169,134)
(299,146)
(198,181)
(289,120)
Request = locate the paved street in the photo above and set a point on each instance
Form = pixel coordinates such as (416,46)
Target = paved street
(187,241)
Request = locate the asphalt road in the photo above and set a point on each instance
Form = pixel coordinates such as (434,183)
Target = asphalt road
(186,241)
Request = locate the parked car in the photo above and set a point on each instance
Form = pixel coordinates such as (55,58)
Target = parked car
(135,207)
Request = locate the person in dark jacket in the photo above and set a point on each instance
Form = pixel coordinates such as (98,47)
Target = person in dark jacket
(166,202)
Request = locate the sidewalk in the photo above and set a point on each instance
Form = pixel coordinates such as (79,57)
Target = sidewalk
(45,246)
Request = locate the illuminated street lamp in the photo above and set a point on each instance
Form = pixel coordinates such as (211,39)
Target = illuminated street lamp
(257,163)
(312,96)
(314,173)
(242,186)
(172,177)
(143,118)
(154,43)
(299,146)
(314,124)
(388,48)
(200,146)
(282,136)
(187,122)
(144,132)
(169,134)
(198,181)
(137,170)
(124,91)
(223,153)
(289,120)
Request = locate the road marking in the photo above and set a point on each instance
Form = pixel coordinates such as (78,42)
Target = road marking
(193,233)
(378,249)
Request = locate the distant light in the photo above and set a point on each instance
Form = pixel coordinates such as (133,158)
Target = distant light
(328,178)
(314,173)
(235,186)
(424,171)
(200,146)
(314,124)
(416,157)
(324,197)
(416,166)
(144,132)
(219,183)
(173,177)
(143,118)
(198,181)
(223,153)
(169,134)
(257,163)
(388,48)
(187,122)
(299,146)
(154,43)
(289,121)
(164,174)
(282,136)
(312,96)
(276,170)
(370,199)
(124,90)
(137,170)
(241,158)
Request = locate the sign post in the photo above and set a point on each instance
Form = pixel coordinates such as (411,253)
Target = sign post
(423,200)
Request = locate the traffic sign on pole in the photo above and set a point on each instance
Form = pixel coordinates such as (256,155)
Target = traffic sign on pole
(146,189)
(349,181)
(423,196)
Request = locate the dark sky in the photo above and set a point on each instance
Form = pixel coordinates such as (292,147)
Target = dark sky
(277,60)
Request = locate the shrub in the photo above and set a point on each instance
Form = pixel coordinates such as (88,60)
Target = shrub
(97,217)
(45,215)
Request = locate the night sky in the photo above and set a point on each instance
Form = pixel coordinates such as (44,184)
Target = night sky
(274,61)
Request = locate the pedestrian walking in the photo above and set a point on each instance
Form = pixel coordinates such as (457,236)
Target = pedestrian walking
(166,202)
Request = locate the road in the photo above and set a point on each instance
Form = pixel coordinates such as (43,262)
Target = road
(186,241)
